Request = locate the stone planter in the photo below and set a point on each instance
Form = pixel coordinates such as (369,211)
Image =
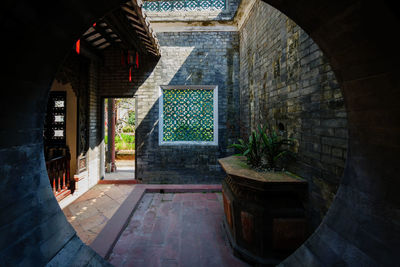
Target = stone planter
(264,211)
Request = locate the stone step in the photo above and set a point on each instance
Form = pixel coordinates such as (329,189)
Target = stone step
(62,194)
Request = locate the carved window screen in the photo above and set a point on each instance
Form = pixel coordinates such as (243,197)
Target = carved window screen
(55,122)
(188,115)
(183,5)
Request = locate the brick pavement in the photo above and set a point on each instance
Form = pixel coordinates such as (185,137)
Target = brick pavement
(90,212)
(175,229)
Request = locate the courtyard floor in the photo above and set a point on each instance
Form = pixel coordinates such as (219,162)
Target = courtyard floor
(91,211)
(166,229)
(176,229)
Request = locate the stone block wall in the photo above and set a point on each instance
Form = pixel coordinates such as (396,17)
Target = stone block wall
(285,79)
(188,58)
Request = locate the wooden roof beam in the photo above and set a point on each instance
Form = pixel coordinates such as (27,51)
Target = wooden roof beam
(136,6)
(122,25)
(106,35)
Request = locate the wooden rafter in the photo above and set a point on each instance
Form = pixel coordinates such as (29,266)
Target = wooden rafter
(116,20)
(102,29)
(134,7)
(127,28)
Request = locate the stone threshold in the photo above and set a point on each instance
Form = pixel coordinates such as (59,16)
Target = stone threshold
(108,237)
(133,181)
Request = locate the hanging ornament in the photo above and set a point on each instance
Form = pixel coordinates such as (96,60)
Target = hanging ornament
(137,60)
(78,46)
(130,74)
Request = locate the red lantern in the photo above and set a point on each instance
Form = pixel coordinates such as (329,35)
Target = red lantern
(78,46)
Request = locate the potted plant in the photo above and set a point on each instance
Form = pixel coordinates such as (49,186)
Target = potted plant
(266,150)
(264,206)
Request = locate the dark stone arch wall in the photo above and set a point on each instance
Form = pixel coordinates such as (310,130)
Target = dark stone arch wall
(33,229)
(286,81)
(362,226)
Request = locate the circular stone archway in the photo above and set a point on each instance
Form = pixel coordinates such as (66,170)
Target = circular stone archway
(362,225)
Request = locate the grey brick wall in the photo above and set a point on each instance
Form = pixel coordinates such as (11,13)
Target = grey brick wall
(284,78)
(114,78)
(188,58)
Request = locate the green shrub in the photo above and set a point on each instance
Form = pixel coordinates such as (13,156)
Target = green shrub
(128,138)
(131,120)
(252,149)
(128,129)
(266,149)
(277,149)
(126,143)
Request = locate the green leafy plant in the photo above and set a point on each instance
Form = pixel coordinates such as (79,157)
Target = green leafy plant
(128,129)
(125,142)
(277,149)
(266,149)
(126,138)
(131,119)
(252,149)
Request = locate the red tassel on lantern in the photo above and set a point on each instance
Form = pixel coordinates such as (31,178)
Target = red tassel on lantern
(137,60)
(130,74)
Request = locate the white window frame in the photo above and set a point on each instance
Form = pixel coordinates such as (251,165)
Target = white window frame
(161,142)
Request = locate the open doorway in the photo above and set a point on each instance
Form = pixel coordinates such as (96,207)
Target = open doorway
(119,137)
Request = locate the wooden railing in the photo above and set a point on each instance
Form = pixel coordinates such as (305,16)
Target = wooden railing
(58,170)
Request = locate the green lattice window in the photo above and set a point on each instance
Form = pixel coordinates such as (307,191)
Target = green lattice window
(188,115)
(183,5)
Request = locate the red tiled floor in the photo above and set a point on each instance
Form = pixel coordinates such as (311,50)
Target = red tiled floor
(175,229)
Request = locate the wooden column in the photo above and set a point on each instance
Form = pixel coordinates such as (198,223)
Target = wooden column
(111,135)
(113,121)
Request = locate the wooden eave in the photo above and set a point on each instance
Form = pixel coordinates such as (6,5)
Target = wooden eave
(126,27)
